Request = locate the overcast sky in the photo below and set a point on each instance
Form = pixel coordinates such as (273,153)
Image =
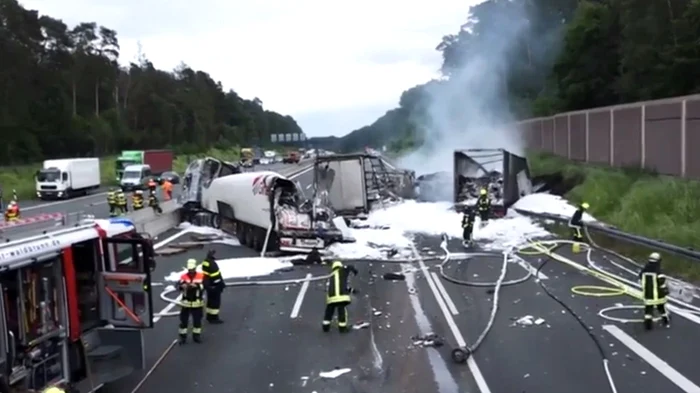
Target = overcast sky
(334,66)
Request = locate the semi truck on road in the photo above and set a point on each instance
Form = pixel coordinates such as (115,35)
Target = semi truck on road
(65,178)
(158,161)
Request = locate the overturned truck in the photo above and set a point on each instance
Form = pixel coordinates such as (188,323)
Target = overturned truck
(505,175)
(353,184)
(265,210)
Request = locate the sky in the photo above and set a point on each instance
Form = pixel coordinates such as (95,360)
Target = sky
(333,66)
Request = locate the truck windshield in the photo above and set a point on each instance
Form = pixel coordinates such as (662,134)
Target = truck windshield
(121,164)
(49,175)
(132,175)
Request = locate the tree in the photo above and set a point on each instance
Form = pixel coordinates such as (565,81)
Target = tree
(64,94)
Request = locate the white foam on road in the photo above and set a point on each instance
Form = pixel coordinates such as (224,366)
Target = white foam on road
(548,203)
(225,238)
(243,267)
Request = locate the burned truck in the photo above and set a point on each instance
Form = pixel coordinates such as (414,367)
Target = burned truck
(505,175)
(265,210)
(353,184)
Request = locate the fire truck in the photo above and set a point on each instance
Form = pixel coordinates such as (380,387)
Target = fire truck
(75,303)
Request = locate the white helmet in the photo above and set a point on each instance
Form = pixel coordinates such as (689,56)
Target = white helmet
(654,257)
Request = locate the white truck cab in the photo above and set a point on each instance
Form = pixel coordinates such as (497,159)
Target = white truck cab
(135,177)
(63,178)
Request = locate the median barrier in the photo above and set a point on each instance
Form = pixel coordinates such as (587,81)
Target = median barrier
(147,221)
(612,232)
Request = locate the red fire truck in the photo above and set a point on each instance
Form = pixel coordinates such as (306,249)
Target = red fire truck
(75,303)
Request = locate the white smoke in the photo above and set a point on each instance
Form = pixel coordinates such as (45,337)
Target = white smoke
(470,108)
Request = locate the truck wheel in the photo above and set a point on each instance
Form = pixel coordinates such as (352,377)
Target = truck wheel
(256,243)
(239,231)
(245,235)
(215,221)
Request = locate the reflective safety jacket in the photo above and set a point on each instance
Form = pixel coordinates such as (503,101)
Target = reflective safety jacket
(192,290)
(212,275)
(121,199)
(483,203)
(654,287)
(467,221)
(338,291)
(112,198)
(137,201)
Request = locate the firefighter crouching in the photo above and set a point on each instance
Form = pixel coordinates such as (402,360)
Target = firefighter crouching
(484,205)
(192,302)
(12,212)
(338,296)
(468,227)
(137,201)
(654,291)
(112,202)
(576,225)
(214,285)
(122,204)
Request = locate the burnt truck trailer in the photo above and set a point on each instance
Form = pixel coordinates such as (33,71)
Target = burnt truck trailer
(505,175)
(265,210)
(352,184)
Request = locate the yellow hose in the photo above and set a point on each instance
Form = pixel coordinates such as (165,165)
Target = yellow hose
(598,291)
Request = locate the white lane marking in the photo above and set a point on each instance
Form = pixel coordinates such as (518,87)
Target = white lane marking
(43,205)
(660,365)
(471,363)
(528,267)
(300,297)
(443,292)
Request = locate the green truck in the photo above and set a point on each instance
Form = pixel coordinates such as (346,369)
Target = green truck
(159,161)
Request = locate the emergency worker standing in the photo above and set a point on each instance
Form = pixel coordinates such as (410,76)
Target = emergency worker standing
(167,190)
(12,212)
(338,296)
(192,290)
(484,205)
(152,185)
(214,286)
(137,201)
(468,226)
(153,202)
(576,225)
(112,202)
(122,203)
(654,290)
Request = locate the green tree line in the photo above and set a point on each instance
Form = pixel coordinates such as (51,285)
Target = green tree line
(573,54)
(63,93)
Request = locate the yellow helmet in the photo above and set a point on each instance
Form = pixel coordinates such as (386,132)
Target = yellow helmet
(191,264)
(585,205)
(482,191)
(53,389)
(336,265)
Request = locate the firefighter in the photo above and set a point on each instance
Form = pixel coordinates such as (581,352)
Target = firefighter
(654,291)
(576,225)
(167,189)
(192,302)
(214,286)
(122,204)
(483,203)
(112,202)
(338,296)
(153,202)
(12,211)
(137,201)
(468,227)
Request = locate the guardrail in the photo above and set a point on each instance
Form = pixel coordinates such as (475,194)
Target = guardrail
(612,232)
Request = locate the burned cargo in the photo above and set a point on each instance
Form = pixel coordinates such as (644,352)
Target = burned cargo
(505,176)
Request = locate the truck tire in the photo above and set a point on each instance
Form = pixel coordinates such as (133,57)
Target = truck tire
(215,221)
(246,239)
(256,241)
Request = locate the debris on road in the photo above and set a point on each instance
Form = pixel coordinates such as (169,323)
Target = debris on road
(528,320)
(334,374)
(360,325)
(394,276)
(429,340)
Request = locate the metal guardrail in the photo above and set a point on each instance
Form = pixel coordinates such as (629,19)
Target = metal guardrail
(611,231)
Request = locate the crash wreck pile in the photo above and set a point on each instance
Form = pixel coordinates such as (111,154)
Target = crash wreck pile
(269,212)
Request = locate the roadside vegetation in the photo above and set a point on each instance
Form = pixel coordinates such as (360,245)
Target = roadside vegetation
(21,178)
(642,203)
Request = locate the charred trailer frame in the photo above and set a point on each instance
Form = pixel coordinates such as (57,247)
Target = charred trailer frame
(484,167)
(198,176)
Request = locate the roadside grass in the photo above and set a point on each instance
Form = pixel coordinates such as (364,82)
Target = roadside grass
(21,178)
(642,203)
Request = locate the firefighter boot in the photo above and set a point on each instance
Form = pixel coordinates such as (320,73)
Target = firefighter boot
(648,324)
(576,248)
(183,339)
(666,321)
(197,338)
(343,329)
(326,326)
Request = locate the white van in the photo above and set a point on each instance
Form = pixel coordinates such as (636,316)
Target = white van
(136,177)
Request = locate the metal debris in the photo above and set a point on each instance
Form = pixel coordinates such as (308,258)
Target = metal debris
(394,276)
(360,325)
(429,340)
(334,374)
(528,320)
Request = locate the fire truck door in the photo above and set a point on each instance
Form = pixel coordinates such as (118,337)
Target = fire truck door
(126,298)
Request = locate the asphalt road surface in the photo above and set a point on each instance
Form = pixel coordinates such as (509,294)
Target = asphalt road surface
(272,339)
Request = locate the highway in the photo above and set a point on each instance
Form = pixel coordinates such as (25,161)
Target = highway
(272,339)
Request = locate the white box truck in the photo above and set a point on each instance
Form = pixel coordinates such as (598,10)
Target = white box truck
(68,177)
